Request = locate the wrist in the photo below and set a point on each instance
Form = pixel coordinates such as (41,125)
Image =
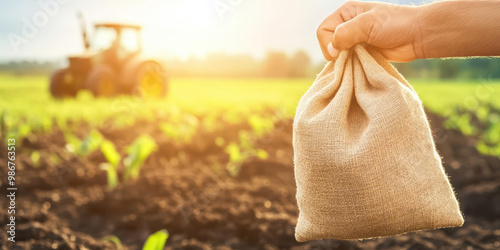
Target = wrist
(434,34)
(419,14)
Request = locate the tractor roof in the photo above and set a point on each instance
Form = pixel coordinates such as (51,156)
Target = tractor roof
(117,26)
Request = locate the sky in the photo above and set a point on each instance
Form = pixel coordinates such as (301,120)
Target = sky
(49,29)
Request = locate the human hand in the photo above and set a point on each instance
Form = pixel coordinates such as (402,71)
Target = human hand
(392,29)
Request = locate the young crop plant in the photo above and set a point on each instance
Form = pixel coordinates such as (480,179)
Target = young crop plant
(483,113)
(490,138)
(156,241)
(138,152)
(83,147)
(171,131)
(460,121)
(260,125)
(40,124)
(182,130)
(240,152)
(114,239)
(484,121)
(35,158)
(20,127)
(18,132)
(111,167)
(488,149)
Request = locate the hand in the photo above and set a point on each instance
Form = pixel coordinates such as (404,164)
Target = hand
(393,29)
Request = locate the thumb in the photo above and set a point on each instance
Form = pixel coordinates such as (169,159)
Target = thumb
(352,32)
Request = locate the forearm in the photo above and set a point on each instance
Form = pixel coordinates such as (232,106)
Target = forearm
(459,29)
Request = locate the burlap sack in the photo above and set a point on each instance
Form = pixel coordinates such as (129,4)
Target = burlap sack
(365,161)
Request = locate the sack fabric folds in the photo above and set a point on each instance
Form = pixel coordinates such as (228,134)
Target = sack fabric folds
(365,161)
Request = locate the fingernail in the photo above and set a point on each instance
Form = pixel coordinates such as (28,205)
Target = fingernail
(332,51)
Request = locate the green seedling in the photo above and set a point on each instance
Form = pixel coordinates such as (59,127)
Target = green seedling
(111,167)
(248,146)
(171,131)
(43,124)
(115,240)
(90,143)
(156,241)
(482,113)
(261,126)
(181,131)
(109,151)
(461,122)
(261,154)
(492,134)
(85,146)
(465,125)
(490,140)
(138,152)
(72,142)
(234,152)
(489,128)
(35,158)
(18,132)
(488,149)
(112,174)
(240,152)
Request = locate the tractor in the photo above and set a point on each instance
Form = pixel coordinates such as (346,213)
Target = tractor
(111,65)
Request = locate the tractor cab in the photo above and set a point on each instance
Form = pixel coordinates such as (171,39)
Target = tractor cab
(111,65)
(116,43)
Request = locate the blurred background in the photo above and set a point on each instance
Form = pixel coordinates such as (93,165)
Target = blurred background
(152,124)
(202,38)
(195,38)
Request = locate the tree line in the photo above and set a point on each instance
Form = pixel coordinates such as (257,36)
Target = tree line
(470,68)
(282,65)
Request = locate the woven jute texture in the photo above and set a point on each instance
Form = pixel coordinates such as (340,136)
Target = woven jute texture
(365,161)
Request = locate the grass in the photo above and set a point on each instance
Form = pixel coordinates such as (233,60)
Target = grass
(28,97)
(443,96)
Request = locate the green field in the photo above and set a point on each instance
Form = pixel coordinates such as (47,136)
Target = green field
(27,107)
(28,96)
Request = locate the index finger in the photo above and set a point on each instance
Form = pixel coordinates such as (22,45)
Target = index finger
(325,33)
(344,13)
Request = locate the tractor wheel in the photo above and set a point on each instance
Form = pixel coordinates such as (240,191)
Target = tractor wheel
(102,82)
(61,84)
(151,82)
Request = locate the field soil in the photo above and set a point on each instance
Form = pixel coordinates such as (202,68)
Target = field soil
(185,189)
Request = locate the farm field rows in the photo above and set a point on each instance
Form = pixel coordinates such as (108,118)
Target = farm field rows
(213,165)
